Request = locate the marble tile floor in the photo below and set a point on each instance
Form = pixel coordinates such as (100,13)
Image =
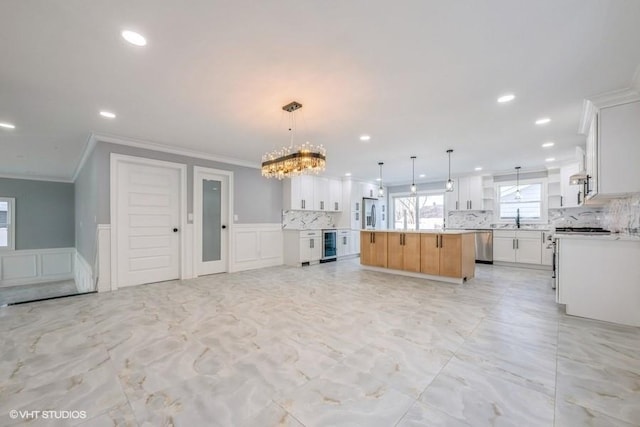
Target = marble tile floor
(326,345)
(37,291)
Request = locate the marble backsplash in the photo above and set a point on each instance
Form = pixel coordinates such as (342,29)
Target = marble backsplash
(307,220)
(564,217)
(623,215)
(469,219)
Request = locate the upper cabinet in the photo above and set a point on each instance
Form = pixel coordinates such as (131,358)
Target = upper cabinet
(467,194)
(570,195)
(612,125)
(312,193)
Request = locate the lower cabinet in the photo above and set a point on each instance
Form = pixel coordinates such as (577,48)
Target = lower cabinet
(450,255)
(373,248)
(302,247)
(522,246)
(344,243)
(403,251)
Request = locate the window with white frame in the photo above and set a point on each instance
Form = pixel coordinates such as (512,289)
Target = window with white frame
(7,240)
(418,212)
(526,201)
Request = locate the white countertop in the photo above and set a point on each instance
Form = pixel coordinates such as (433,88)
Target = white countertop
(606,237)
(425,231)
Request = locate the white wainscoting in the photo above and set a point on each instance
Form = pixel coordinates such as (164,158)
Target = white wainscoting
(256,246)
(36,265)
(84,275)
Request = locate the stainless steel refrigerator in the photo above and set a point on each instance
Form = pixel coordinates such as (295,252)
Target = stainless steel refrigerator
(371,215)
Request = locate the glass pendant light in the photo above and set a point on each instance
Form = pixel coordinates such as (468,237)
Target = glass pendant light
(518,196)
(449,186)
(380,189)
(413,175)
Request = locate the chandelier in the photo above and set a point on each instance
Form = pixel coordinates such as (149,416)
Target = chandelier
(293,160)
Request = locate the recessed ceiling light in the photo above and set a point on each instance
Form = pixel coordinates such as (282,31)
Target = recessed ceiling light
(107,114)
(550,159)
(378,179)
(548,144)
(506,98)
(422,175)
(365,138)
(134,38)
(543,121)
(478,168)
(7,125)
(347,174)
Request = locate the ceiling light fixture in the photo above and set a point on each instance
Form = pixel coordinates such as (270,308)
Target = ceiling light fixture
(347,174)
(380,189)
(506,98)
(365,138)
(108,114)
(550,159)
(291,161)
(478,168)
(414,189)
(449,186)
(134,38)
(518,196)
(7,125)
(543,121)
(548,144)
(421,175)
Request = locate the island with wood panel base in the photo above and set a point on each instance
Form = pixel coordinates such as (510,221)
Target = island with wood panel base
(448,256)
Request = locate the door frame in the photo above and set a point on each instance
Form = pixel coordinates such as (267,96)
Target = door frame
(117,159)
(197,207)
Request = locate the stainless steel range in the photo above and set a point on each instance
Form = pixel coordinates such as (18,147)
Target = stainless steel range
(569,230)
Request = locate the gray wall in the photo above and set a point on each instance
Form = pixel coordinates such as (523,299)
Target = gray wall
(44,213)
(256,199)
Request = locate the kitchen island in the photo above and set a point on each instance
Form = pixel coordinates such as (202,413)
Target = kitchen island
(447,256)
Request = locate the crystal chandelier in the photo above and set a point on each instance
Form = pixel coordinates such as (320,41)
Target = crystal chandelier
(293,160)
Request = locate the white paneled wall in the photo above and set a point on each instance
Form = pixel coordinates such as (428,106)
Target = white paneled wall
(256,246)
(35,266)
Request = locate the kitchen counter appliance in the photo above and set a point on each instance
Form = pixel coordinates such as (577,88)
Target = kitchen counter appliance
(370,220)
(484,246)
(329,245)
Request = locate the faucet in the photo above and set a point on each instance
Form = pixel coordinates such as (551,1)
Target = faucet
(518,218)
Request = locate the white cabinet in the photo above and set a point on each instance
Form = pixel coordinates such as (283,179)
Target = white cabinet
(320,194)
(312,193)
(547,249)
(521,246)
(298,193)
(369,190)
(303,246)
(570,195)
(344,243)
(467,195)
(612,126)
(335,195)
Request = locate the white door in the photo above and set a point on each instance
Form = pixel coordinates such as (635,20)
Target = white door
(211,216)
(147,222)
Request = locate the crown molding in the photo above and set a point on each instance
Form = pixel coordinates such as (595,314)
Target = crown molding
(36,178)
(608,99)
(154,146)
(88,149)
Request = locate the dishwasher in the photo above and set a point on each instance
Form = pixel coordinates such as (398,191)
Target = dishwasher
(484,246)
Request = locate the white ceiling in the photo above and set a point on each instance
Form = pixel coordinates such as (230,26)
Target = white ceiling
(418,76)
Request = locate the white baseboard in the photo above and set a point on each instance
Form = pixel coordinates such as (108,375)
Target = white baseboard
(256,246)
(84,275)
(23,267)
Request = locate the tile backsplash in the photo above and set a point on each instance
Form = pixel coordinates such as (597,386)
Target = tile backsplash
(577,217)
(307,220)
(623,215)
(469,219)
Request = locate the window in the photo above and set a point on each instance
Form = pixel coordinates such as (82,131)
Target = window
(421,212)
(6,223)
(531,206)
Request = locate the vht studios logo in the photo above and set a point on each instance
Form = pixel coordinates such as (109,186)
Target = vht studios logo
(48,415)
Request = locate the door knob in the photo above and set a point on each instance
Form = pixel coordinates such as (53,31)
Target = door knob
(224,226)
(175,230)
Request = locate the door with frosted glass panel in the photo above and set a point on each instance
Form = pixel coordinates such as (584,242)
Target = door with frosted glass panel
(211,199)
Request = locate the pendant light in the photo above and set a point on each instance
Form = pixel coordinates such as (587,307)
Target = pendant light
(518,196)
(413,175)
(449,186)
(380,189)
